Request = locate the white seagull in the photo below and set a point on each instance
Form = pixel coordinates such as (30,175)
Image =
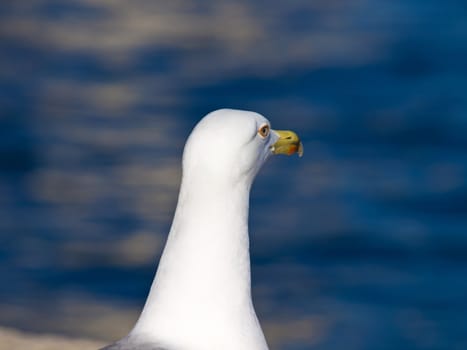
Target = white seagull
(201,295)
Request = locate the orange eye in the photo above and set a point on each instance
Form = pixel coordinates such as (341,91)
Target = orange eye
(264,131)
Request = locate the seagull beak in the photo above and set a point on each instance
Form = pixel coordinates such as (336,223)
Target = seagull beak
(288,143)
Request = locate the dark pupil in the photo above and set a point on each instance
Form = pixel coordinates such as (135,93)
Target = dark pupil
(264,130)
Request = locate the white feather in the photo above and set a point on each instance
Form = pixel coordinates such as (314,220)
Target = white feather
(201,296)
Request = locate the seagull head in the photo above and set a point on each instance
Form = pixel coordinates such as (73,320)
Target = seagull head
(233,145)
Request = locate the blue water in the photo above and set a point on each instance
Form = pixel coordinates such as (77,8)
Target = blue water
(367,233)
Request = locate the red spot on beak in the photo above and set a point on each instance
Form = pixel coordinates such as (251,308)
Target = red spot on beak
(292,149)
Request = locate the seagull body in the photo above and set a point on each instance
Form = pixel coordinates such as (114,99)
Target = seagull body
(201,296)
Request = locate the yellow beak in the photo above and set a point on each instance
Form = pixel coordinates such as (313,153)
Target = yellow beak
(288,143)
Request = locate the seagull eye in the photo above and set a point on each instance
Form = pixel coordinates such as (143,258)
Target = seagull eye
(264,131)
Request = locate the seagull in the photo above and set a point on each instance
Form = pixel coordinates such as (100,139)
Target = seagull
(200,298)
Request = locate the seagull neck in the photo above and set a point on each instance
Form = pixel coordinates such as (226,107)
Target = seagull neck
(221,208)
(211,228)
(203,278)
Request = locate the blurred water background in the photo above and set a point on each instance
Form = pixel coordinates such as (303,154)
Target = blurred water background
(361,244)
